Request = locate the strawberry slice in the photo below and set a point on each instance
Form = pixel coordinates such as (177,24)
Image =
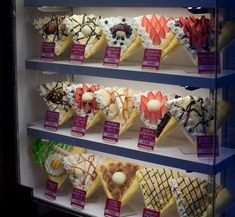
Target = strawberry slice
(162,20)
(144,99)
(181,21)
(152,117)
(85,88)
(149,27)
(166,28)
(156,40)
(192,20)
(162,33)
(158,27)
(150,96)
(152,33)
(158,96)
(143,107)
(154,20)
(145,20)
(170,18)
(93,88)
(86,107)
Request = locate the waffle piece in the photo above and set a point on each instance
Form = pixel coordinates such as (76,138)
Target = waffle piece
(120,32)
(53,29)
(156,189)
(81,98)
(156,34)
(55,97)
(117,105)
(153,112)
(118,179)
(82,171)
(84,30)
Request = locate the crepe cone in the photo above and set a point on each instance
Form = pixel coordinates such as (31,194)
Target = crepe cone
(84,30)
(154,31)
(194,197)
(121,32)
(223,200)
(54,95)
(96,46)
(81,98)
(52,29)
(67,115)
(156,190)
(131,49)
(127,187)
(133,117)
(227,35)
(116,104)
(171,124)
(53,162)
(67,42)
(82,171)
(224,108)
(174,43)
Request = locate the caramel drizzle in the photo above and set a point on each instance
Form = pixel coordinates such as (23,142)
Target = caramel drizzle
(85,173)
(189,110)
(82,25)
(113,99)
(58,30)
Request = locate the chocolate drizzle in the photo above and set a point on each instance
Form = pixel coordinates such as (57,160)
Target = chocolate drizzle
(195,108)
(57,95)
(87,22)
(54,27)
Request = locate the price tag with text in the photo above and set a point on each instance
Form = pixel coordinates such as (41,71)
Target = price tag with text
(147,138)
(205,146)
(79,125)
(207,62)
(51,190)
(78,198)
(48,50)
(151,59)
(112,56)
(111,131)
(112,208)
(51,120)
(77,53)
(150,213)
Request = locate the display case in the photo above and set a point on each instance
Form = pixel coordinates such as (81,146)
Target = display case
(175,153)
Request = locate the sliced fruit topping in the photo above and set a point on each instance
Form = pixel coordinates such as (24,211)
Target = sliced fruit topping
(85,99)
(153,106)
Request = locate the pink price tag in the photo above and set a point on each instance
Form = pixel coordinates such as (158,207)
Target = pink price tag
(112,208)
(51,120)
(111,131)
(207,62)
(112,56)
(205,146)
(147,138)
(48,50)
(79,126)
(51,190)
(78,198)
(150,213)
(77,53)
(151,59)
